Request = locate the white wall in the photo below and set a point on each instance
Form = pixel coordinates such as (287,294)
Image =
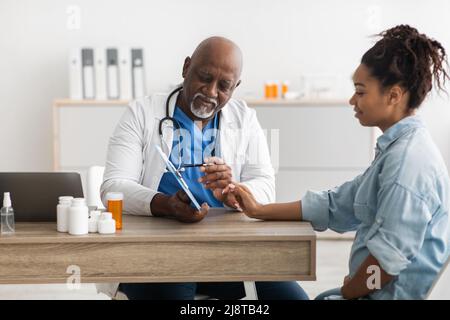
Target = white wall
(280,40)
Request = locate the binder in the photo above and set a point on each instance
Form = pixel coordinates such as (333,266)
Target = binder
(137,72)
(87,60)
(100,73)
(126,90)
(75,78)
(112,74)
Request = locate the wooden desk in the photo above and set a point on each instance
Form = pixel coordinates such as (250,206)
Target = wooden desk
(222,247)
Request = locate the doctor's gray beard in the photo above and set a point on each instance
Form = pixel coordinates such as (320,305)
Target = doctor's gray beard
(202,112)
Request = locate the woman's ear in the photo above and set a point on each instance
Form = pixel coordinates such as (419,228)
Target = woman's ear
(396,95)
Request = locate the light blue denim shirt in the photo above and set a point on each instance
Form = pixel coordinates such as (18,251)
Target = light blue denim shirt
(399,207)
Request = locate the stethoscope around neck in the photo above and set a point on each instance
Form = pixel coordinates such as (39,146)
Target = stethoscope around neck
(176,125)
(168,117)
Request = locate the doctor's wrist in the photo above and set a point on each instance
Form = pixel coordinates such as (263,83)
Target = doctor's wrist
(159,206)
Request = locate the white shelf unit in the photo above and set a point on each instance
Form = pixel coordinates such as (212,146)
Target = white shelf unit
(321,144)
(81,131)
(258,102)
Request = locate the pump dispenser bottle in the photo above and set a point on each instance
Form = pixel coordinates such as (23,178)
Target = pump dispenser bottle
(7,216)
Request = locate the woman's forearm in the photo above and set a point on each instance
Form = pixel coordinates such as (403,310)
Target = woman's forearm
(281,211)
(360,285)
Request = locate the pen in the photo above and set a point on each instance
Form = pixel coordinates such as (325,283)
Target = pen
(197,165)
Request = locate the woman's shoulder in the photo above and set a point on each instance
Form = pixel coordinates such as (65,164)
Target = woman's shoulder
(420,154)
(414,161)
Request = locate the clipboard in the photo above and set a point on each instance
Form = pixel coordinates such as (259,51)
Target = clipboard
(178,177)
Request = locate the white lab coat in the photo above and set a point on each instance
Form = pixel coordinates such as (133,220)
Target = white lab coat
(134,167)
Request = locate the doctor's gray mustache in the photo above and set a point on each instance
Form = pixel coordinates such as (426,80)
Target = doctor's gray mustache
(211,100)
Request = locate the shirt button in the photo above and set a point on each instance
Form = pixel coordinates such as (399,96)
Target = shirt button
(379,221)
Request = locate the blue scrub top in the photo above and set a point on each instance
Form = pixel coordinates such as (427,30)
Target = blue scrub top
(191,145)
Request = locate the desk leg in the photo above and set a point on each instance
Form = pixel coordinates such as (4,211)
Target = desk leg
(250,291)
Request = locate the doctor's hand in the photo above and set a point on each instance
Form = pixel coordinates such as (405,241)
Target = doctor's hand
(217,176)
(177,206)
(245,199)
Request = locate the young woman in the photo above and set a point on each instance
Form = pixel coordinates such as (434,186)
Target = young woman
(400,205)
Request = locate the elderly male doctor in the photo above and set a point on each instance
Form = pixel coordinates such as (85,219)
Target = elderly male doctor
(202,125)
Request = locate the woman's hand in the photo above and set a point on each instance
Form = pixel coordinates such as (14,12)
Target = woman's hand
(346,280)
(245,199)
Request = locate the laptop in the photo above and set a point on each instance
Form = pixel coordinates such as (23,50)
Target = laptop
(34,195)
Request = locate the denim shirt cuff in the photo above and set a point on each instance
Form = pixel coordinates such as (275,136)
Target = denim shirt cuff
(315,209)
(389,257)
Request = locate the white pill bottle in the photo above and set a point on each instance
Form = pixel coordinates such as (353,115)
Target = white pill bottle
(106,224)
(62,213)
(78,217)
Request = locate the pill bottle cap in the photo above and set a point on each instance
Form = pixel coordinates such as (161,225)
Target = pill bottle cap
(78,202)
(65,199)
(95,214)
(107,216)
(114,196)
(6,200)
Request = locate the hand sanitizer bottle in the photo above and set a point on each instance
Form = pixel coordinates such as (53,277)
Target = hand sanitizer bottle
(7,215)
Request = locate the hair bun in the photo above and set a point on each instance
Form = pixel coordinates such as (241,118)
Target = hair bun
(408,58)
(401,32)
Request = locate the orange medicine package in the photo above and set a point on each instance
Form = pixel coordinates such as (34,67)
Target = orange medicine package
(115,206)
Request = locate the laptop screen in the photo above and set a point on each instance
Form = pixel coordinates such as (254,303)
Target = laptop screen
(34,195)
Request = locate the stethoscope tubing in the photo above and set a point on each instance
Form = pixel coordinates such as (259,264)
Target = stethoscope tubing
(174,121)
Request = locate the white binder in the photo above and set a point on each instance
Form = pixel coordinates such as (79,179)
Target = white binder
(126,90)
(87,62)
(75,78)
(100,73)
(112,74)
(137,71)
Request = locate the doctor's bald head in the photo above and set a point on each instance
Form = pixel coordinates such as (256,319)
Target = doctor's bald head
(219,51)
(210,76)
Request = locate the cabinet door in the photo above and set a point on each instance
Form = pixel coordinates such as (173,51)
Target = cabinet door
(292,185)
(84,132)
(317,136)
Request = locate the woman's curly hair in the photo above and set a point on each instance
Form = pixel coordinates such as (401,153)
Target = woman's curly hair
(405,57)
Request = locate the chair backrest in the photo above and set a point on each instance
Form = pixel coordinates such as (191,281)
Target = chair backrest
(440,290)
(94,181)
